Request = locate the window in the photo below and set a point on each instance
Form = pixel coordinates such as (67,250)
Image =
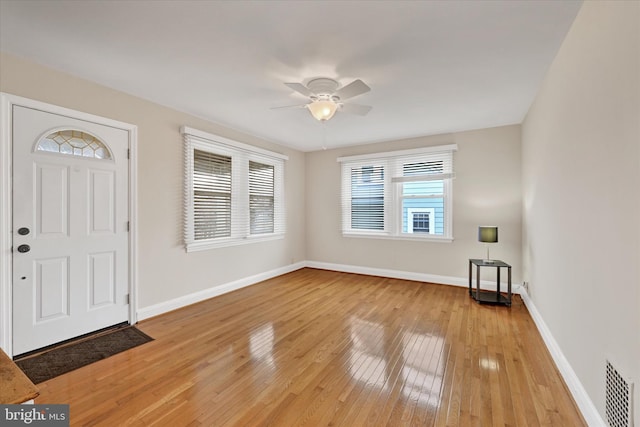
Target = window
(367,197)
(402,195)
(211,195)
(261,197)
(234,192)
(75,143)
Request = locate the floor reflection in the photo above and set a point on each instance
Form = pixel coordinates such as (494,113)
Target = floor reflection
(365,356)
(261,344)
(490,364)
(413,360)
(423,371)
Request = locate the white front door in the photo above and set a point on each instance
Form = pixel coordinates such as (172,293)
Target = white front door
(70,228)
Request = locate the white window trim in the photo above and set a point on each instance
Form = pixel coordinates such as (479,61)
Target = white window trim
(346,183)
(393,224)
(195,139)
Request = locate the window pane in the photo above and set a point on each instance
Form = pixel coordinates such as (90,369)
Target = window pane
(423,188)
(420,198)
(367,198)
(75,143)
(261,198)
(211,195)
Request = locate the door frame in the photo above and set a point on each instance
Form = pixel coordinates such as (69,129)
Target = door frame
(7,102)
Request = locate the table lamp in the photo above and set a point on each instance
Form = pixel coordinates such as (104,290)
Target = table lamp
(488,234)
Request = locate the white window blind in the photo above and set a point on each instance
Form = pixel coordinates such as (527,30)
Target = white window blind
(401,194)
(234,194)
(211,195)
(261,198)
(367,197)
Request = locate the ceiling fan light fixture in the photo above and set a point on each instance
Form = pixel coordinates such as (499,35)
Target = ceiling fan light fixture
(322,110)
(326,97)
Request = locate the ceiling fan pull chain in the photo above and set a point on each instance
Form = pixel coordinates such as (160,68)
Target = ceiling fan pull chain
(324,134)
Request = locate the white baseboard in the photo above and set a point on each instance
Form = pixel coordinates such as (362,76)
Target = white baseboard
(183,301)
(408,275)
(588,409)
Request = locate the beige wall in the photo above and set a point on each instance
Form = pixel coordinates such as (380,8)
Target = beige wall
(166,271)
(581,183)
(486,191)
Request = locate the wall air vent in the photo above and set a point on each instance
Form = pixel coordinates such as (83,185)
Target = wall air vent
(619,399)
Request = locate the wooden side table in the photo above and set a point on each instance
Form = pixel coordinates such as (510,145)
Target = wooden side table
(15,386)
(489,297)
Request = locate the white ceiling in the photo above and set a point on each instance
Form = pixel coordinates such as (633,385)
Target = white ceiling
(433,66)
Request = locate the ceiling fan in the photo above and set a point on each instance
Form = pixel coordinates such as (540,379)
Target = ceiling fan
(326,97)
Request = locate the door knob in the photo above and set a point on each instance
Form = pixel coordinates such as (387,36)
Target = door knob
(24,248)
(23,231)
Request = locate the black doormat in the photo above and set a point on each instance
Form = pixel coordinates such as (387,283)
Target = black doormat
(63,359)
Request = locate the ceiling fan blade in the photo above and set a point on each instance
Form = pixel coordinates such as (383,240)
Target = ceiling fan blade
(300,88)
(289,106)
(360,110)
(355,88)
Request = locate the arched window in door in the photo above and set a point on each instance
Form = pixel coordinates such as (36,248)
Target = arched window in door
(75,143)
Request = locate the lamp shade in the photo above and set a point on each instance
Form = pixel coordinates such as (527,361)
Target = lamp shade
(322,110)
(488,234)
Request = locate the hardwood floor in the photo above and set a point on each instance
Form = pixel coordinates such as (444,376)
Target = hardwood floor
(316,348)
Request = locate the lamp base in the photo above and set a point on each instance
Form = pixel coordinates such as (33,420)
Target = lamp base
(488,261)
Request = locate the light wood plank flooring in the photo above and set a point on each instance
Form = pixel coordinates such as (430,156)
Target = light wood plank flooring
(320,348)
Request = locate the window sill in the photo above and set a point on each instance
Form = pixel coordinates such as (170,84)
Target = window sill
(204,245)
(431,238)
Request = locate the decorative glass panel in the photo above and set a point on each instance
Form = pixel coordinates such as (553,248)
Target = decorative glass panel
(75,143)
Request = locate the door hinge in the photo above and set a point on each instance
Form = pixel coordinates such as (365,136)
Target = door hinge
(126,299)
(128,153)
(128,226)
